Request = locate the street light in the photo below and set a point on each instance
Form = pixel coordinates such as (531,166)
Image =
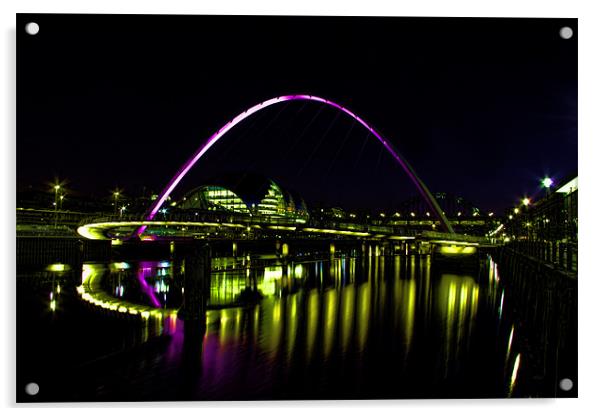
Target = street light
(526,202)
(56,205)
(547,182)
(116,194)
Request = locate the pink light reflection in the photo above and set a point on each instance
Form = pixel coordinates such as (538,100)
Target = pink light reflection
(144,270)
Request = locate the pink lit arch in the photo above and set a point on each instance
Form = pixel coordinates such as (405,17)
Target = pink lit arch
(428,197)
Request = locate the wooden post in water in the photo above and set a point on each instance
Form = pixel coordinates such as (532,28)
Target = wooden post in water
(197,278)
(196,258)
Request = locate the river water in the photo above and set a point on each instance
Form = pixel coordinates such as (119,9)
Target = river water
(341,327)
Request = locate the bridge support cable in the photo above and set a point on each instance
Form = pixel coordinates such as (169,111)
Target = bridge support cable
(336,155)
(378,160)
(239,137)
(361,153)
(311,156)
(262,133)
(305,129)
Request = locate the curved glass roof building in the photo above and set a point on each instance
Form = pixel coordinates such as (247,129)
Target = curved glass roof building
(247,194)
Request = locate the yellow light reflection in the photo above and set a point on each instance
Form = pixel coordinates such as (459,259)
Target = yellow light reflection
(270,276)
(510,342)
(291,324)
(330,301)
(458,302)
(58,267)
(347,314)
(457,250)
(514,374)
(313,310)
(227,326)
(363,317)
(92,292)
(298,273)
(409,308)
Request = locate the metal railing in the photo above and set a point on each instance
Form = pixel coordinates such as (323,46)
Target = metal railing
(29,230)
(560,254)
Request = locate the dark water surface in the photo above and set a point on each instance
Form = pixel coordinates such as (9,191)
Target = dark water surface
(343,327)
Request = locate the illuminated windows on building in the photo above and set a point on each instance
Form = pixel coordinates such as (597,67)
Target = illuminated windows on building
(262,197)
(273,203)
(214,198)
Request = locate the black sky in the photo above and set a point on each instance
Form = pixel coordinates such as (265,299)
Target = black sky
(481,108)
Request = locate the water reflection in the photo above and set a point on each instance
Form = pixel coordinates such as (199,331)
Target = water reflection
(348,319)
(458,302)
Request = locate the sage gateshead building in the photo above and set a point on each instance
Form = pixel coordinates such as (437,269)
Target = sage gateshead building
(248,194)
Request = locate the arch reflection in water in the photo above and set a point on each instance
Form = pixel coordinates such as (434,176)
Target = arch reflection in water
(355,322)
(330,318)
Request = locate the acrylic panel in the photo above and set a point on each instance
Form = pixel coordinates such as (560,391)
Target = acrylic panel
(295,208)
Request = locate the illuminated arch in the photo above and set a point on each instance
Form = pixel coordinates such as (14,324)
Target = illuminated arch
(299,97)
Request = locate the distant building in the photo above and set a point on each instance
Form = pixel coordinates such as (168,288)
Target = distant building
(551,218)
(546,228)
(246,194)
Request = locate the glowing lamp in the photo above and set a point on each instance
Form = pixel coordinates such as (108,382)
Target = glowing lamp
(547,182)
(526,201)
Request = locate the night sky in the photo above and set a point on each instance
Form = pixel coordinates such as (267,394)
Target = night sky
(481,108)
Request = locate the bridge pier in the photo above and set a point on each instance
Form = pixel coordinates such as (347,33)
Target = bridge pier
(282,248)
(197,278)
